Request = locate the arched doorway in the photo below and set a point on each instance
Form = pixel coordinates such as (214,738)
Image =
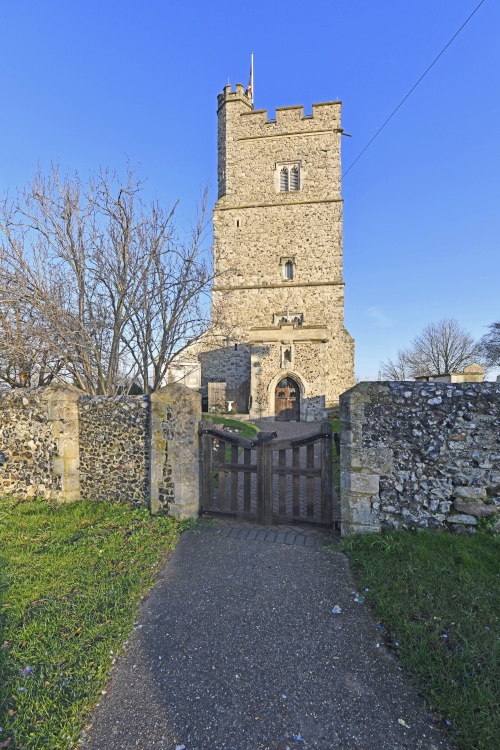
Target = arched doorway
(287,401)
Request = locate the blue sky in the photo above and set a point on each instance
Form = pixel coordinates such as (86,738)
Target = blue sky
(88,84)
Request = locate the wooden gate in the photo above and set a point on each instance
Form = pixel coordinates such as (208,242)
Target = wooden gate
(287,401)
(269,480)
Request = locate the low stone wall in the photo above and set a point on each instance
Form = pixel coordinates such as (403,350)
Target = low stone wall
(114,448)
(59,444)
(418,455)
(39,443)
(28,446)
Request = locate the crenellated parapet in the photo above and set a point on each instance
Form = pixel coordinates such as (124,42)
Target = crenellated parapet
(257,121)
(239,95)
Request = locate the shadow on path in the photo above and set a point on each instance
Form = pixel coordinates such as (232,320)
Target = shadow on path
(237,648)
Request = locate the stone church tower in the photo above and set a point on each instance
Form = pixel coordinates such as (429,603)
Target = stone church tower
(279,291)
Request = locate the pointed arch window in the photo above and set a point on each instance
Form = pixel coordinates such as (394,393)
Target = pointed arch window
(289,270)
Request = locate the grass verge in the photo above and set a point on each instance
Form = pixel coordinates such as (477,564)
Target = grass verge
(71,577)
(438,596)
(245,429)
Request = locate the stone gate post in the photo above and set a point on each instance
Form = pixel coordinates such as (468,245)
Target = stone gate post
(174,453)
(62,413)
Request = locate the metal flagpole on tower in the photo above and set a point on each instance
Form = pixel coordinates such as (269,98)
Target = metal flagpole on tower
(250,84)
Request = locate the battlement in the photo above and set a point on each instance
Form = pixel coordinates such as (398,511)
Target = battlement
(294,110)
(239,95)
(256,122)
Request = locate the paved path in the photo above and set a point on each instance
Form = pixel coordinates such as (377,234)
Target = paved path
(301,535)
(237,648)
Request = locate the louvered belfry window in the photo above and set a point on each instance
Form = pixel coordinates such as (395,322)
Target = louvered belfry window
(294,178)
(284,180)
(289,177)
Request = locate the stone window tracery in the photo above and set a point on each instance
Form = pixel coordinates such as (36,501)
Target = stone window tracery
(288,317)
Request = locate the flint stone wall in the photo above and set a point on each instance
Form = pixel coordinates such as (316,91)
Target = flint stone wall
(39,443)
(417,455)
(61,445)
(114,448)
(27,444)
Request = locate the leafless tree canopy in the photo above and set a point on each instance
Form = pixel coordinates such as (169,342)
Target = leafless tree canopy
(440,348)
(95,286)
(490,345)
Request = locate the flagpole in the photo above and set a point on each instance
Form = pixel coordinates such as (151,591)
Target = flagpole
(251,77)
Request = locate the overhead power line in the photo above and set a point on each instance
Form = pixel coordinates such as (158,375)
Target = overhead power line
(413,88)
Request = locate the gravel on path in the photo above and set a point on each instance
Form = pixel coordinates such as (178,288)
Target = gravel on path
(237,648)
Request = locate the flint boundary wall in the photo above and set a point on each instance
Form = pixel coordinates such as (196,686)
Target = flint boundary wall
(142,450)
(419,455)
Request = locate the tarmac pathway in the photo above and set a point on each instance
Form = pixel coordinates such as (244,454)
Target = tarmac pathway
(237,648)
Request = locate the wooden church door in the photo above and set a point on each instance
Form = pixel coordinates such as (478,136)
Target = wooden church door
(287,401)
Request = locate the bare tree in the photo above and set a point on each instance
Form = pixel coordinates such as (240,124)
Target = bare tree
(396,369)
(95,285)
(440,348)
(26,354)
(172,308)
(490,345)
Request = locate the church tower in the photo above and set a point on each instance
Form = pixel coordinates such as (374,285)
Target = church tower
(278,258)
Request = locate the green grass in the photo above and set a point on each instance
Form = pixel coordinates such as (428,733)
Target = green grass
(438,596)
(71,577)
(245,429)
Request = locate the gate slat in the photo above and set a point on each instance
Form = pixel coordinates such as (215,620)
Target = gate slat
(264,484)
(247,458)
(310,481)
(290,471)
(221,453)
(228,466)
(207,471)
(296,483)
(282,483)
(326,474)
(234,479)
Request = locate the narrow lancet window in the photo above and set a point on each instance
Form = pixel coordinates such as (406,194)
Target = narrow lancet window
(289,270)
(294,178)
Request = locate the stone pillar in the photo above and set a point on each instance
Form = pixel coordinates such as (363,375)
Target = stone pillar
(174,452)
(360,468)
(62,412)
